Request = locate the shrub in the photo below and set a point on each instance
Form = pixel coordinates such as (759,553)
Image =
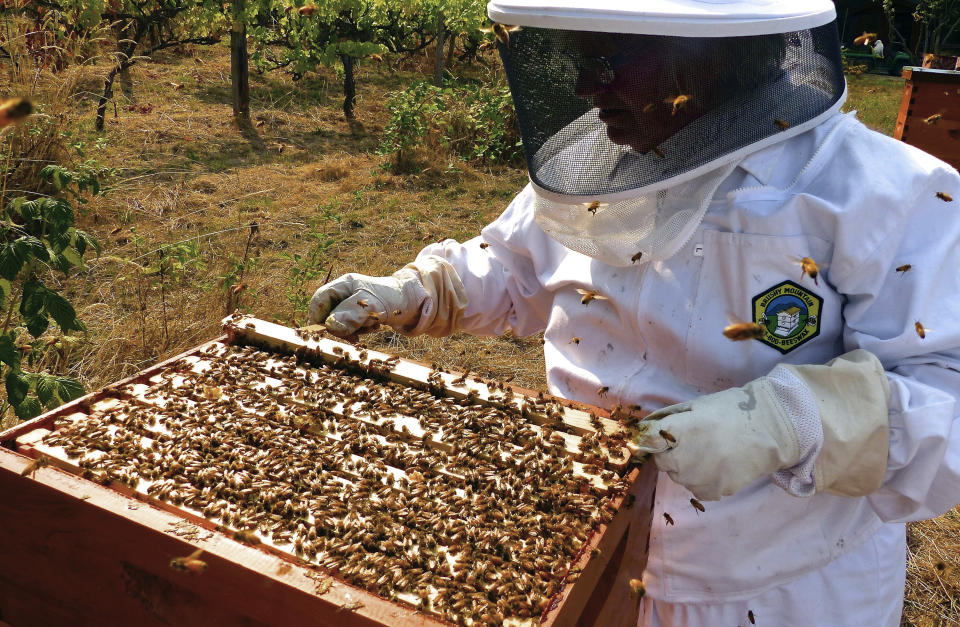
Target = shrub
(475,122)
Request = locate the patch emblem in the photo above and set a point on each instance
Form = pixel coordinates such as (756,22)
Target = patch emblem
(790,313)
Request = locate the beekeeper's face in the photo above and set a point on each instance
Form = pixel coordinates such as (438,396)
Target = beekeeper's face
(634,84)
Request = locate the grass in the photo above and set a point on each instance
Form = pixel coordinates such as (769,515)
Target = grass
(189,180)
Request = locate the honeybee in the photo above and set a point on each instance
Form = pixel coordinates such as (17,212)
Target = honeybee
(502,32)
(636,257)
(191,563)
(14,110)
(307,9)
(679,102)
(944,196)
(575,340)
(637,589)
(246,536)
(602,391)
(666,435)
(864,39)
(920,329)
(933,119)
(667,517)
(782,124)
(352,605)
(808,266)
(904,268)
(739,330)
(751,617)
(697,505)
(372,315)
(589,295)
(656,150)
(593,206)
(362,303)
(647,108)
(484,245)
(212,392)
(35,465)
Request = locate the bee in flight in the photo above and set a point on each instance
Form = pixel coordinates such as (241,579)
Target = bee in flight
(904,268)
(864,40)
(738,330)
(35,465)
(191,563)
(593,206)
(921,330)
(679,102)
(14,110)
(697,505)
(933,119)
(587,296)
(501,32)
(809,267)
(667,517)
(944,196)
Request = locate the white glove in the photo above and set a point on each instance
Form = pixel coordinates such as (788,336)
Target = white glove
(426,296)
(716,444)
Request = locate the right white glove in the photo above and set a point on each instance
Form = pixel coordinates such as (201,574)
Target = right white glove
(426,296)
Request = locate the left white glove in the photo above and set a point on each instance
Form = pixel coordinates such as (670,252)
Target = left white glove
(425,296)
(716,444)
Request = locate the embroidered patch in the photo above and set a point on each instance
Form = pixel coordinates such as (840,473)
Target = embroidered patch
(790,313)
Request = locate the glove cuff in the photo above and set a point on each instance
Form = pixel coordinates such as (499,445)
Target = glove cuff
(852,395)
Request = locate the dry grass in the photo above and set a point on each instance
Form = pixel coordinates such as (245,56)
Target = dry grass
(190,181)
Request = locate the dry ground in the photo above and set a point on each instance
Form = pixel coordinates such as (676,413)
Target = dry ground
(189,182)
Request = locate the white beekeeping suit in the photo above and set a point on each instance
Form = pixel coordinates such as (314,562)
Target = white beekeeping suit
(688,161)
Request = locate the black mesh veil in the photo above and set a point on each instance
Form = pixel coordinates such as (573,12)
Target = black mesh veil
(603,113)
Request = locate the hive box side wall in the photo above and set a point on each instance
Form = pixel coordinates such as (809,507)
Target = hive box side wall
(72,558)
(929,93)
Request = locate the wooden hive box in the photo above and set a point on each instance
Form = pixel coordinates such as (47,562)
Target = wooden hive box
(325,485)
(929,116)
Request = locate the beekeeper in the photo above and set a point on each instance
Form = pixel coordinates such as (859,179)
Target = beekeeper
(689,164)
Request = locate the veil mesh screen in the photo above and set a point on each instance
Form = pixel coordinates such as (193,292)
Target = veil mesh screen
(602,113)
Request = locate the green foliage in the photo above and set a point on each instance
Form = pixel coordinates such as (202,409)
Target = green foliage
(38,240)
(303,268)
(412,111)
(475,122)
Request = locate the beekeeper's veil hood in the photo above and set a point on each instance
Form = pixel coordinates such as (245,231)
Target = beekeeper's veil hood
(632,113)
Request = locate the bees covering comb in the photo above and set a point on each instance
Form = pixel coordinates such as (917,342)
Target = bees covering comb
(386,487)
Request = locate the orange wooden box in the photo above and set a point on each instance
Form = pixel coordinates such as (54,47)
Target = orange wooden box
(929,116)
(74,552)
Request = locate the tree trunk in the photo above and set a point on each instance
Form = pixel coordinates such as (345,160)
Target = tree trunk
(349,85)
(107,95)
(239,63)
(438,59)
(451,46)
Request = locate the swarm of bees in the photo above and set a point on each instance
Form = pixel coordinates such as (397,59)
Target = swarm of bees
(468,511)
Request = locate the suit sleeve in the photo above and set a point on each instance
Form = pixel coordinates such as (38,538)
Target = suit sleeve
(910,319)
(501,279)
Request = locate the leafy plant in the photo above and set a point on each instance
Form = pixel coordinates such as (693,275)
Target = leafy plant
(475,122)
(411,111)
(306,268)
(39,240)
